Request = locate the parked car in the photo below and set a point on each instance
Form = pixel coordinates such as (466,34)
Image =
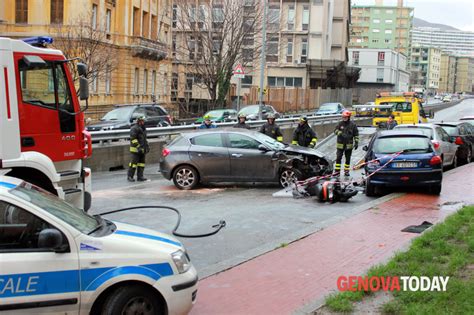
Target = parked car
(447,98)
(469,119)
(442,142)
(124,116)
(462,134)
(237,155)
(251,111)
(417,165)
(330,109)
(438,97)
(219,115)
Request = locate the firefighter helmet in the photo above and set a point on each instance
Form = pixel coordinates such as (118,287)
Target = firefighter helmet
(304,119)
(271,116)
(242,116)
(207,117)
(141,118)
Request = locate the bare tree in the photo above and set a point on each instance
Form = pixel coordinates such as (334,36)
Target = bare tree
(84,40)
(213,36)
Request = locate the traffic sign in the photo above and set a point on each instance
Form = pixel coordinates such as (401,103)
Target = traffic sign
(239,72)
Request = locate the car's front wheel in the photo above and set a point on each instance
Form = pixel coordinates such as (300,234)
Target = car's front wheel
(288,177)
(133,300)
(185,177)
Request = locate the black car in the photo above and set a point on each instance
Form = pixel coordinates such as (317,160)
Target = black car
(462,134)
(124,116)
(237,155)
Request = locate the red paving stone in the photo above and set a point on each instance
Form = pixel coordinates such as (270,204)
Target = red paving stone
(286,279)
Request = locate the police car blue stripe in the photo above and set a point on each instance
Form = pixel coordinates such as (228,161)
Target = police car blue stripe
(148,236)
(7,185)
(67,281)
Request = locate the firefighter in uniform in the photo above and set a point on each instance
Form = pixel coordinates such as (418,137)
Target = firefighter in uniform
(347,140)
(207,124)
(241,123)
(303,135)
(271,129)
(138,149)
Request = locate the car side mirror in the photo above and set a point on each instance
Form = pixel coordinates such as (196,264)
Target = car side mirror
(263,148)
(365,148)
(50,239)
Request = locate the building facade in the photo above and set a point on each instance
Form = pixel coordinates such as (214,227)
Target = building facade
(381,70)
(447,73)
(459,43)
(135,34)
(425,68)
(382,27)
(464,82)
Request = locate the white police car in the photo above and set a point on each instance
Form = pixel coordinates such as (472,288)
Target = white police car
(55,258)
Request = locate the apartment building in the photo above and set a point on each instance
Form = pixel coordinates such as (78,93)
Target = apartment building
(425,68)
(455,42)
(447,74)
(464,82)
(382,27)
(136,34)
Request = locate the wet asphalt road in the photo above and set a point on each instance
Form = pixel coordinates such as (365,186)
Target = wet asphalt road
(257,222)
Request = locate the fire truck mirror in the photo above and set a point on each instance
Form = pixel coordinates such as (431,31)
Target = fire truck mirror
(81,69)
(83,88)
(34,61)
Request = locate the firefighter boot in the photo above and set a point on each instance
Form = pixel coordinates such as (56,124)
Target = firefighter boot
(347,168)
(140,177)
(131,173)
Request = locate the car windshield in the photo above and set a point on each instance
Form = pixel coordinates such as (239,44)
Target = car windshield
(269,142)
(122,113)
(425,130)
(214,113)
(328,106)
(451,130)
(411,144)
(249,110)
(73,216)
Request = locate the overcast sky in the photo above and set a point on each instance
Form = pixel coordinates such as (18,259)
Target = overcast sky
(456,13)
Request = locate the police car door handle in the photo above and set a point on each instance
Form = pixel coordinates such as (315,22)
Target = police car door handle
(237,155)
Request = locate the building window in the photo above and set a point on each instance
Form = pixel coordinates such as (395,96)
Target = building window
(192,48)
(289,50)
(304,49)
(175,16)
(376,30)
(108,20)
(285,81)
(380,73)
(389,11)
(272,48)
(145,81)
(305,20)
(94,17)
(247,54)
(388,21)
(21,11)
(136,21)
(381,58)
(376,11)
(136,81)
(108,80)
(376,21)
(388,31)
(153,82)
(388,41)
(375,40)
(247,81)
(291,17)
(95,85)
(189,82)
(355,58)
(274,17)
(57,11)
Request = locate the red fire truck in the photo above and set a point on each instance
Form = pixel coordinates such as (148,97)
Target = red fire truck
(42,136)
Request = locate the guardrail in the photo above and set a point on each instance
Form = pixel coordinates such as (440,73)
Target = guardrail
(109,135)
(105,136)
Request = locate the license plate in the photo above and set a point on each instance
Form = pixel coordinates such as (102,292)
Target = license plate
(404,164)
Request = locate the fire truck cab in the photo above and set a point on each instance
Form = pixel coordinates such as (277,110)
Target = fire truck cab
(42,136)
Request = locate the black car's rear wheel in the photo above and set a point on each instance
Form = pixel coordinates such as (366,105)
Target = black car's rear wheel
(435,189)
(185,177)
(369,188)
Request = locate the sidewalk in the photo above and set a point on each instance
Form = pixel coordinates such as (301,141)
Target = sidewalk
(296,278)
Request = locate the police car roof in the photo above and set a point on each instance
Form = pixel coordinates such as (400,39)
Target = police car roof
(7,182)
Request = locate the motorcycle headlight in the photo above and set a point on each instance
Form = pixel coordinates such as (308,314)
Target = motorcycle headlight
(181,261)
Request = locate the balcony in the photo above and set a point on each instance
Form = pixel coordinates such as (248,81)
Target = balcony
(147,48)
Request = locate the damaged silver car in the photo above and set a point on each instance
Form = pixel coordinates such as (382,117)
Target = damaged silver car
(235,155)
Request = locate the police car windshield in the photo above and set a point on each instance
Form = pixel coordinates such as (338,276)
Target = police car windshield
(57,207)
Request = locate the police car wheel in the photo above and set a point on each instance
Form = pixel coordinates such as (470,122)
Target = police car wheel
(133,300)
(185,177)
